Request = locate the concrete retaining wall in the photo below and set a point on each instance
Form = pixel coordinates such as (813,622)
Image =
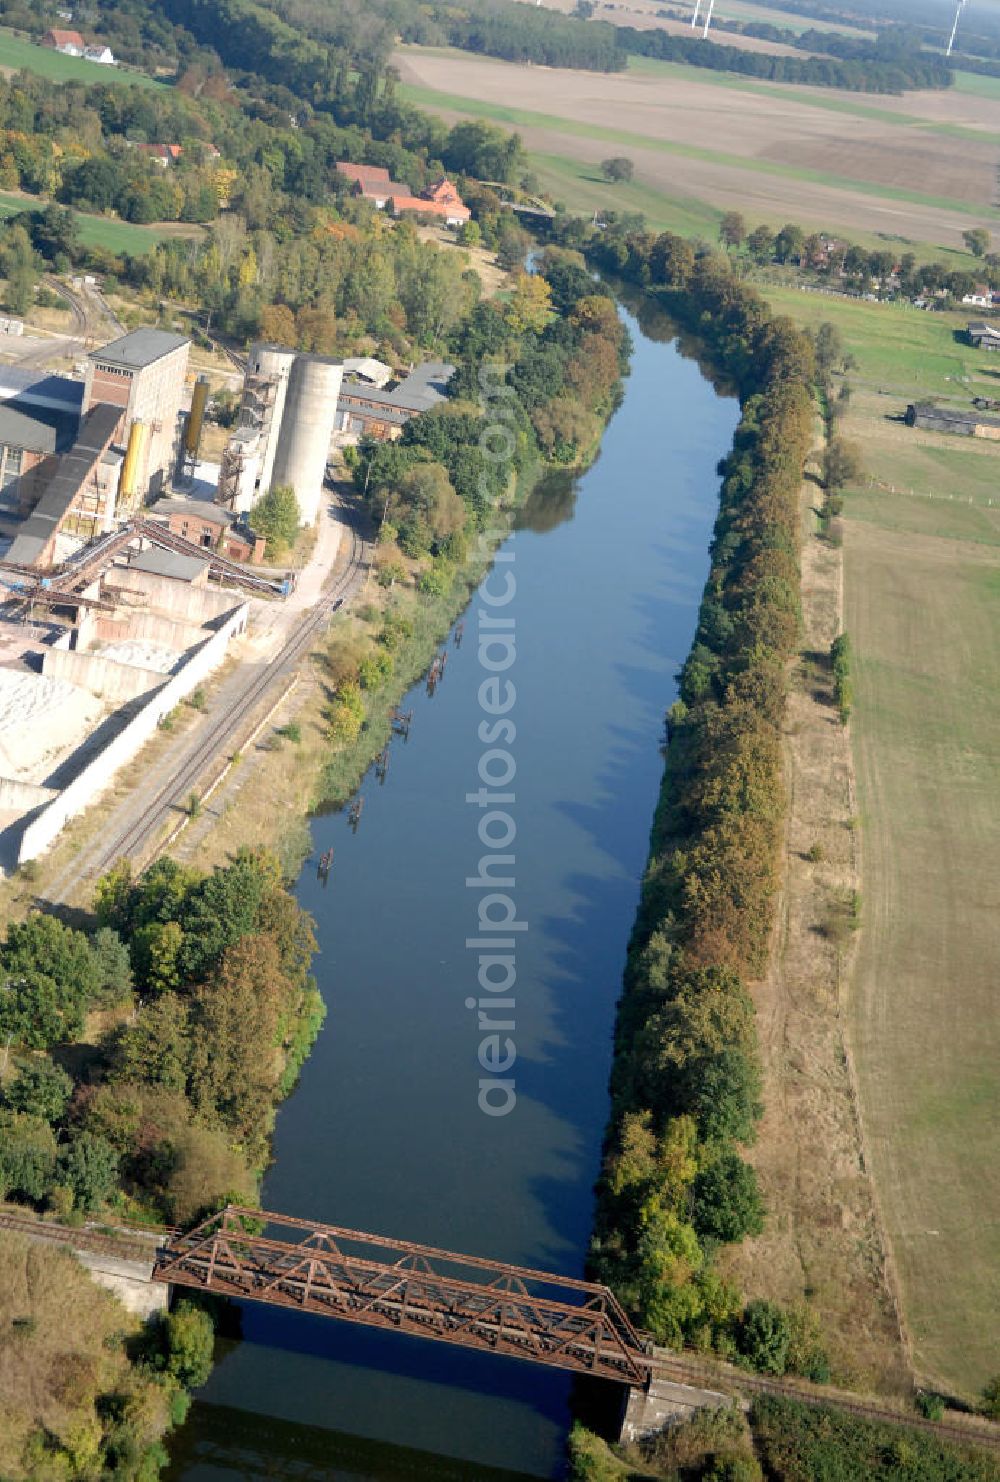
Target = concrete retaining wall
(19,797)
(118,683)
(92,781)
(176,599)
(145,626)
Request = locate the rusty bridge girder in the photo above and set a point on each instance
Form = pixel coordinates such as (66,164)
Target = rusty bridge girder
(409,1288)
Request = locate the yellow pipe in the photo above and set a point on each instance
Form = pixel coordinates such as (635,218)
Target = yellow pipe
(196,417)
(133,458)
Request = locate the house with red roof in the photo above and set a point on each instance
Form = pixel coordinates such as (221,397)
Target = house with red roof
(372,182)
(440,199)
(69,42)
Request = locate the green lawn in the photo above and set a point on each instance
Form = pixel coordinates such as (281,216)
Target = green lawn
(903,349)
(978,86)
(17,53)
(431,99)
(96,231)
(583,188)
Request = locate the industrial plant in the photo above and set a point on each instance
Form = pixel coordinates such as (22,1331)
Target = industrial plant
(128,563)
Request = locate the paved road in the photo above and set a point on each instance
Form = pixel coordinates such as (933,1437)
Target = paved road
(136,824)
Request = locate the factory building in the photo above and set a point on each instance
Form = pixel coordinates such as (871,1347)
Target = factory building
(143,373)
(374,411)
(287,417)
(39,417)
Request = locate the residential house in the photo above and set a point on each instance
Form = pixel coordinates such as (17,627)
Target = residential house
(102,54)
(441,200)
(71,43)
(981,296)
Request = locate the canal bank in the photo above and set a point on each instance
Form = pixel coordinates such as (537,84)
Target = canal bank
(385,1131)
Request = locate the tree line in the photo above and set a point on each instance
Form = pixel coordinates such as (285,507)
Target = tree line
(686,1079)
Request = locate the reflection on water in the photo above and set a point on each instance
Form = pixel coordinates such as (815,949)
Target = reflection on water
(384,1132)
(551,503)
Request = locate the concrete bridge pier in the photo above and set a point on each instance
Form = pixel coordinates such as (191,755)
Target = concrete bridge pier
(663,1403)
(130,1281)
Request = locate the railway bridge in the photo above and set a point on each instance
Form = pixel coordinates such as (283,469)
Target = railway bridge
(251,1255)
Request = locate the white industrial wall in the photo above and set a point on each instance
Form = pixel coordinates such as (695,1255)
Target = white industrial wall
(91,782)
(111,681)
(176,599)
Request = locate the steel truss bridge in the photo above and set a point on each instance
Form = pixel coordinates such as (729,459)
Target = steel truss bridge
(251,1255)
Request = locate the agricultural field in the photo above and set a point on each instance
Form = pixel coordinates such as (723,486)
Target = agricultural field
(825,159)
(922,578)
(17,52)
(645,13)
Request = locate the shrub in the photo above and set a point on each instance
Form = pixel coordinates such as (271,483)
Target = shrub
(991,1398)
(840,660)
(764,1336)
(929,1404)
(291,732)
(189,1343)
(89,1168)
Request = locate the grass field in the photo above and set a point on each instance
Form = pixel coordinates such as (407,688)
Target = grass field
(104,231)
(17,53)
(922,574)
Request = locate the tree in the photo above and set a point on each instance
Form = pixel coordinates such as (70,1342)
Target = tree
(789,243)
(727,1200)
(277,517)
(841,463)
(88,1166)
(764,1336)
(41,1090)
(991,1398)
(977,239)
(469,234)
(154,1049)
(235,1021)
(530,304)
(829,348)
(112,965)
(426,508)
(47,978)
(277,324)
(156,951)
(189,1343)
(732,229)
(27,1156)
(761,244)
(618,168)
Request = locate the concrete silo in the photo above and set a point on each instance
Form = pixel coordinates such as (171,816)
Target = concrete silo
(265,389)
(307,425)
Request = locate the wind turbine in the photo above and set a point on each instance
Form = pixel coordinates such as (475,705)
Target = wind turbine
(951,38)
(708,15)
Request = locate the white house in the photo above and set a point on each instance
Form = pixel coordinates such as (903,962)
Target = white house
(102,54)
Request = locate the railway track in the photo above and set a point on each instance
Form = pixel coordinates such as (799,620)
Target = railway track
(125,1246)
(702,1374)
(135,838)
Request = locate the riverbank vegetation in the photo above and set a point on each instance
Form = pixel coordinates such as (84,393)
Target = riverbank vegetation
(781,1440)
(85,1389)
(686,1078)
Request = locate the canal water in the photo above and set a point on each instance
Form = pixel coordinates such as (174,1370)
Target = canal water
(384,1131)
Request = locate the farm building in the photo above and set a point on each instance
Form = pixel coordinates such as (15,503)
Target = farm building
(983,335)
(952,419)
